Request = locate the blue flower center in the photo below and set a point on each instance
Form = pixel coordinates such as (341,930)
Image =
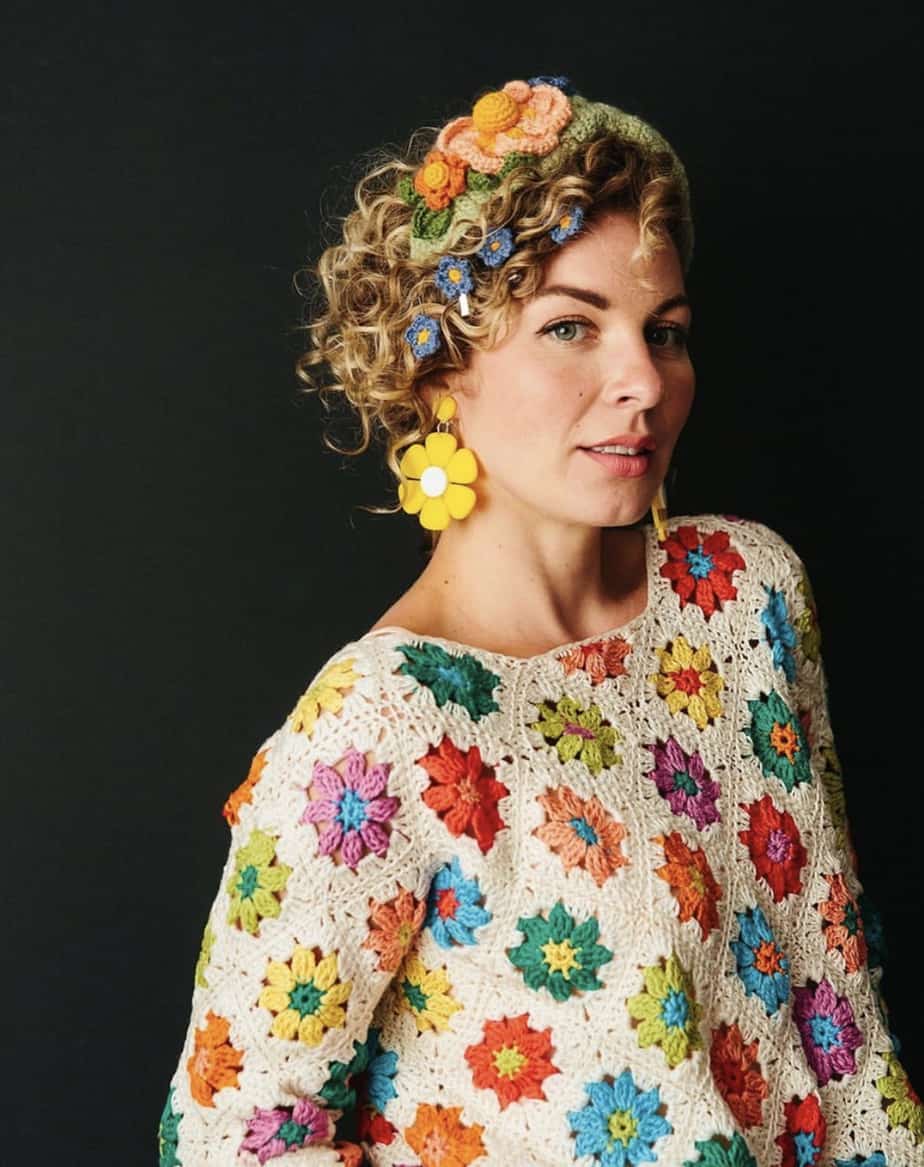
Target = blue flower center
(803,1143)
(699,562)
(824,1032)
(352,811)
(247,884)
(584,830)
(683,781)
(305,998)
(675,1009)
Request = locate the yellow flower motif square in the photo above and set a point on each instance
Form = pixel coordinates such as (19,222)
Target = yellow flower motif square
(425,993)
(326,693)
(667,1011)
(689,681)
(306,996)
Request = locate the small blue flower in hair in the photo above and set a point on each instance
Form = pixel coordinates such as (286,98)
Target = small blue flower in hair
(569,224)
(454,280)
(497,248)
(424,335)
(561,83)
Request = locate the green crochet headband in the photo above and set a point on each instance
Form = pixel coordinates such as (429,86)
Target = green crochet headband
(537,122)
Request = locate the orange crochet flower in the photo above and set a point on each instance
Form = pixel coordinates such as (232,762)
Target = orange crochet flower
(243,793)
(513,1060)
(737,1075)
(441,1139)
(843,925)
(599,659)
(464,792)
(440,179)
(215,1062)
(582,833)
(396,922)
(692,882)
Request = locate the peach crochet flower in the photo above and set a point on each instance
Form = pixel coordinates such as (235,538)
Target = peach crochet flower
(582,832)
(440,179)
(396,924)
(527,119)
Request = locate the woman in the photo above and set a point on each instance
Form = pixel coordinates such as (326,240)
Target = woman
(552,863)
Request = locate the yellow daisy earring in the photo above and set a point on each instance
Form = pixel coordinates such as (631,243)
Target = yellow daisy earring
(436,475)
(659,513)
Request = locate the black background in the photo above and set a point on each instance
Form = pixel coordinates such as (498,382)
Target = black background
(180,552)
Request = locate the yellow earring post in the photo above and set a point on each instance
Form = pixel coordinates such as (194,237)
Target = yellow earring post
(659,513)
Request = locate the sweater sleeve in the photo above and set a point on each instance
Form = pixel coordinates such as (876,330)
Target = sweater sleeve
(866,1105)
(322,892)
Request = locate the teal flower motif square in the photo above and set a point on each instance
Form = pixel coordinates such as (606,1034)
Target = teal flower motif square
(168,1134)
(722,1152)
(559,954)
(781,636)
(458,677)
(779,740)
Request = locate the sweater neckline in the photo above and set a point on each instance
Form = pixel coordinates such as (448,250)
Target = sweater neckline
(556,651)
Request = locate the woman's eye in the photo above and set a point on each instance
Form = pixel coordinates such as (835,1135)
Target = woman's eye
(563,329)
(676,332)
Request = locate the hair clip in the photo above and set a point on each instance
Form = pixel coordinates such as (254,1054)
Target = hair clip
(497,248)
(454,280)
(424,335)
(569,224)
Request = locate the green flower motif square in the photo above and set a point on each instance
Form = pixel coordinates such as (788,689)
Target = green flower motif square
(461,678)
(779,740)
(256,883)
(559,954)
(668,1012)
(579,733)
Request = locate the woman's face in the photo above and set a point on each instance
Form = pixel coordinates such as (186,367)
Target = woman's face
(578,368)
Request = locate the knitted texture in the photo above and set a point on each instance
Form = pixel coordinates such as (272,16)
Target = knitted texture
(598,905)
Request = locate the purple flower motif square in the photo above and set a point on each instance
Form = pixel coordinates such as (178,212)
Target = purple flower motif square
(828,1030)
(354,807)
(684,781)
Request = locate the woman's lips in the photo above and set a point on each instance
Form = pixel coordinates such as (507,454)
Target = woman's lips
(622,465)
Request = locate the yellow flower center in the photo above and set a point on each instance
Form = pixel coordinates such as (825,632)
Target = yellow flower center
(405,935)
(696,879)
(560,957)
(508,1061)
(436,175)
(495,112)
(423,335)
(564,222)
(622,1126)
(455,275)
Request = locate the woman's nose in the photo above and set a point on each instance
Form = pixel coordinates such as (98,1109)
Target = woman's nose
(634,374)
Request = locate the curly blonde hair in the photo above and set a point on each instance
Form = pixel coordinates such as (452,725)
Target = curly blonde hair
(365,290)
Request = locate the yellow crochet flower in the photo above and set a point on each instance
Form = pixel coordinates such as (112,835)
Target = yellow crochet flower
(689,682)
(436,474)
(305,995)
(667,1010)
(425,993)
(325,693)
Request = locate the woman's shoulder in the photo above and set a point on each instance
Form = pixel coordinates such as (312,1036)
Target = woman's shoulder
(762,546)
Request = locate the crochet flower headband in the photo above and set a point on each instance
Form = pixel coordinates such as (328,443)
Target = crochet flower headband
(538,123)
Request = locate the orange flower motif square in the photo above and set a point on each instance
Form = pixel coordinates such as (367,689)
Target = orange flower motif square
(736,1071)
(513,1060)
(599,659)
(691,880)
(843,924)
(244,792)
(215,1063)
(441,1139)
(582,832)
(396,923)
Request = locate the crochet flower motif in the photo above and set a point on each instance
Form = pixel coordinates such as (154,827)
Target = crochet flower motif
(274,1132)
(803,1137)
(779,740)
(354,807)
(689,681)
(205,955)
(781,636)
(244,793)
(375,1088)
(425,993)
(513,1060)
(579,732)
(464,792)
(775,846)
(424,336)
(339,1090)
(761,965)
(458,677)
(683,780)
(454,907)
(325,694)
(700,567)
(582,832)
(621,1122)
(690,878)
(569,223)
(306,996)
(497,247)
(258,880)
(168,1133)
(737,1075)
(396,924)
(829,1033)
(559,954)
(807,621)
(843,924)
(520,117)
(719,1151)
(214,1063)
(440,179)
(441,1138)
(668,1011)
(902,1105)
(454,277)
(599,659)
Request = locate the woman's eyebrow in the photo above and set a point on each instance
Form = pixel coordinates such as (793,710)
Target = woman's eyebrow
(601,302)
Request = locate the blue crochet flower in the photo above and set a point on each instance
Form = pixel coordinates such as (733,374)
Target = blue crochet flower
(424,335)
(762,967)
(877,1159)
(620,1124)
(454,276)
(562,83)
(498,247)
(781,636)
(452,907)
(568,224)
(382,1067)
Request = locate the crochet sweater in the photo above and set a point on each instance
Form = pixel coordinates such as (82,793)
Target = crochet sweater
(596,906)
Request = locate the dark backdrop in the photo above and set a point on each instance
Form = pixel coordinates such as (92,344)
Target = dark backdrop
(180,552)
